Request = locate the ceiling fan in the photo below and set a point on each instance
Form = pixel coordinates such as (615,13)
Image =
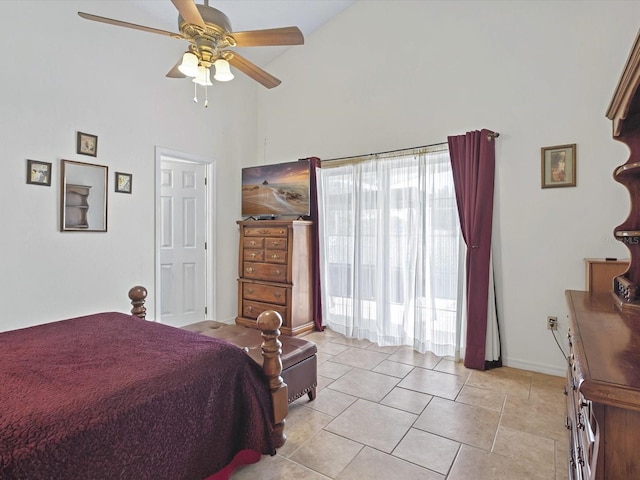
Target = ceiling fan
(209,34)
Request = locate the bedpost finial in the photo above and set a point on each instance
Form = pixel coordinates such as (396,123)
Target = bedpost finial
(269,320)
(137,296)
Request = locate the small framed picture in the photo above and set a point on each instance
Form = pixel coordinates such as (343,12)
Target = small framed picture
(87,144)
(559,166)
(123,182)
(38,173)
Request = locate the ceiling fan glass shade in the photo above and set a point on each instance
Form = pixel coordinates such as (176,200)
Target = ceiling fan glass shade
(223,72)
(203,77)
(189,65)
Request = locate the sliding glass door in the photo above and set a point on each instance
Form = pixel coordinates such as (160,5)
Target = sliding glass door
(390,238)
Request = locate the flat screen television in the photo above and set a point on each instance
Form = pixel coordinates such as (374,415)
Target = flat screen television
(276,190)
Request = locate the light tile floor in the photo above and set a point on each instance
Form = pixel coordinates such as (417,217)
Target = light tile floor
(390,413)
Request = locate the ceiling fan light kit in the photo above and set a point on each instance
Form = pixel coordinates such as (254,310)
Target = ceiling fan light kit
(209,33)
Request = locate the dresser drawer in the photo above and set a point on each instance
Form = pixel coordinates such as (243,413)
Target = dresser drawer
(584,432)
(275,256)
(265,271)
(252,309)
(253,255)
(265,232)
(253,242)
(264,293)
(275,243)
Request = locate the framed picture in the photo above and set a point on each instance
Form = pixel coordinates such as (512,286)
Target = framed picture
(123,182)
(38,173)
(559,166)
(87,144)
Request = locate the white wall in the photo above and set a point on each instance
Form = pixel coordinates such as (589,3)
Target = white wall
(62,74)
(386,75)
(380,76)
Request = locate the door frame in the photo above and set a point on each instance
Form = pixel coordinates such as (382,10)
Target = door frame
(210,227)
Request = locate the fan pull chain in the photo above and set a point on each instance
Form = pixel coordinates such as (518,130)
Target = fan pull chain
(195,93)
(206,97)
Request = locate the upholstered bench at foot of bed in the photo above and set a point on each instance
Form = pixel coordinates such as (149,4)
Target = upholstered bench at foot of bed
(299,361)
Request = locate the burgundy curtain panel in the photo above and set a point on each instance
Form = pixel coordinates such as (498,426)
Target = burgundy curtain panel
(314,163)
(473,164)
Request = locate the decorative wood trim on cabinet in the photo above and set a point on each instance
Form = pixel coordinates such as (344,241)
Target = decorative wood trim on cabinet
(274,270)
(624,112)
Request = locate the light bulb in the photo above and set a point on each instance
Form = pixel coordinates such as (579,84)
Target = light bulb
(203,77)
(189,65)
(223,72)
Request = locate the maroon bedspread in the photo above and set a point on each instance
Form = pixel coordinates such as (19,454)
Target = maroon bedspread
(110,396)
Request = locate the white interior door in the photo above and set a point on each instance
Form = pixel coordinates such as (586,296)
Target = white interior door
(182,227)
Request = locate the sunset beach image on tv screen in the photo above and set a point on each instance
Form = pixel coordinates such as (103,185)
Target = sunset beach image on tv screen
(279,189)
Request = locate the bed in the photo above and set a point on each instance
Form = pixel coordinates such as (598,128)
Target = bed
(111,395)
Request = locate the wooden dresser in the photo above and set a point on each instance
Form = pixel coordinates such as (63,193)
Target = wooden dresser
(603,392)
(275,273)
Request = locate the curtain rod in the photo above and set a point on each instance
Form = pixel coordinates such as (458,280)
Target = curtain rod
(490,135)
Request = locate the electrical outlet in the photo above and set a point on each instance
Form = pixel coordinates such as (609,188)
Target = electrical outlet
(552,323)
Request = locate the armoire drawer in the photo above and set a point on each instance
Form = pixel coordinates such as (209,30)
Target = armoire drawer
(275,243)
(265,232)
(264,293)
(253,242)
(265,271)
(252,309)
(251,255)
(275,256)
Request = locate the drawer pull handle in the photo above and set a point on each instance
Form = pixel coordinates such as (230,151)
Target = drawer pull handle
(250,270)
(275,244)
(278,272)
(250,292)
(250,308)
(253,255)
(277,295)
(282,231)
(252,243)
(275,256)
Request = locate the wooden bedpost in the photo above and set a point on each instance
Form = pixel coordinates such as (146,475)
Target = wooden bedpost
(269,323)
(137,295)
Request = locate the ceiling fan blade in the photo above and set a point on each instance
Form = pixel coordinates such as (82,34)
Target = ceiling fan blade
(174,72)
(269,37)
(189,12)
(120,23)
(253,71)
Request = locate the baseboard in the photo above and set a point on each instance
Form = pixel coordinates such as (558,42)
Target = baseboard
(535,367)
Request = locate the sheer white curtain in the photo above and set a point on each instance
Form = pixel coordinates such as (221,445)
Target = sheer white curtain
(389,249)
